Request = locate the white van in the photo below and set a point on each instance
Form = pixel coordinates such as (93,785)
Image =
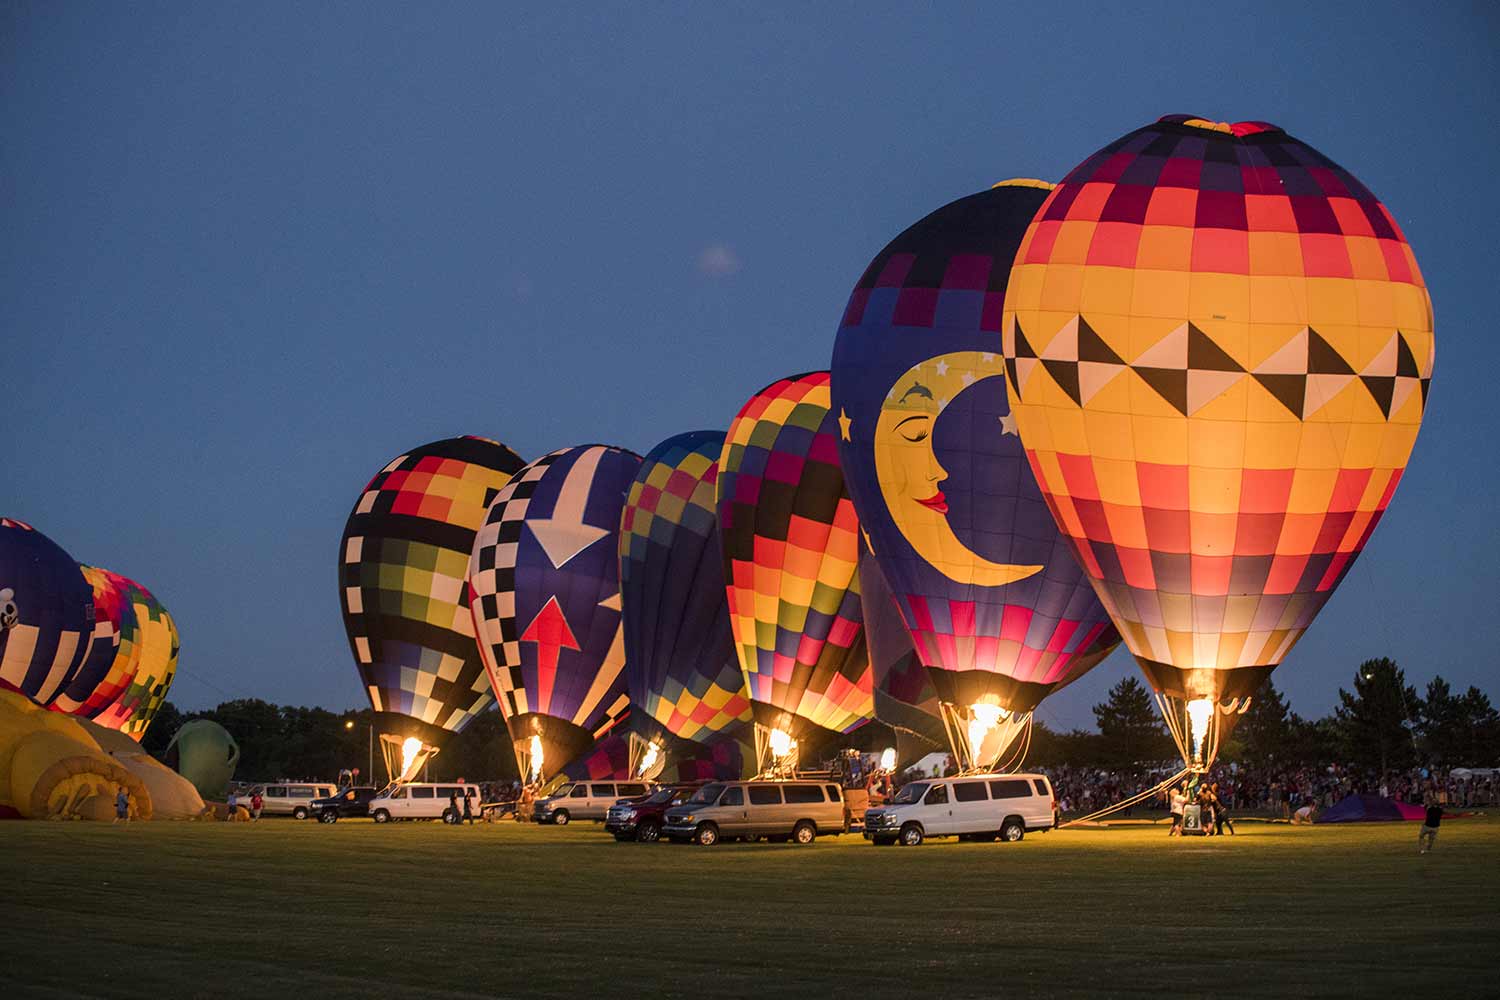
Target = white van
(288,798)
(970,807)
(423,800)
(586,800)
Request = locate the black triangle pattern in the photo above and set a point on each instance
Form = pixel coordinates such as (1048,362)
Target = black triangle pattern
(1205,355)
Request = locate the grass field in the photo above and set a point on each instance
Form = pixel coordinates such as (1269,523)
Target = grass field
(288,908)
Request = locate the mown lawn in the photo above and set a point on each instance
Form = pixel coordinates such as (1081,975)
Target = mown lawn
(421,910)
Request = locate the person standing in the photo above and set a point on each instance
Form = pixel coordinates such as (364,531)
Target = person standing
(234,807)
(256,804)
(1178,802)
(469,805)
(1427,836)
(452,814)
(1221,811)
(122,806)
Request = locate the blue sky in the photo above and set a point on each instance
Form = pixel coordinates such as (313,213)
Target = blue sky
(251,253)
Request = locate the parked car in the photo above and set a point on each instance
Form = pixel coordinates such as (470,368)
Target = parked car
(422,800)
(346,802)
(585,800)
(970,807)
(290,798)
(642,817)
(777,810)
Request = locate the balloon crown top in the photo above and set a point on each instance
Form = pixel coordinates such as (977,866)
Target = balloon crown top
(1237,129)
(1023,182)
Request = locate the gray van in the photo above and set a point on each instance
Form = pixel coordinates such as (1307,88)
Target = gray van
(777,810)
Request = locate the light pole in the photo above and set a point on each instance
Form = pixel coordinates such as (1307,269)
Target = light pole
(370,774)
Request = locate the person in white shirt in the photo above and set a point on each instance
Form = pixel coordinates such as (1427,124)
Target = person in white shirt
(1178,802)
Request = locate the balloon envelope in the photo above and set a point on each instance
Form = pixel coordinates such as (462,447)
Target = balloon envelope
(680,666)
(790,548)
(403,559)
(996,604)
(1219,348)
(146,690)
(115,649)
(545,594)
(46,613)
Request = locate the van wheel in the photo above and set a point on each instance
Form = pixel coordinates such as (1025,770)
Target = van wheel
(648,833)
(380,816)
(299,813)
(804,832)
(911,835)
(1012,830)
(561,817)
(708,835)
(328,816)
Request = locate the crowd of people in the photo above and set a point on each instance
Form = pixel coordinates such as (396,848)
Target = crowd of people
(1273,791)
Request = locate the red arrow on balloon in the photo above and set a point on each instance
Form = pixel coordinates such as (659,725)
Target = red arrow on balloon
(550,631)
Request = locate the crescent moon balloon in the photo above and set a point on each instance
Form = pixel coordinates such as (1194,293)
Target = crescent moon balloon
(908,472)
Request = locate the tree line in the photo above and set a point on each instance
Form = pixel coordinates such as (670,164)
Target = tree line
(1383,724)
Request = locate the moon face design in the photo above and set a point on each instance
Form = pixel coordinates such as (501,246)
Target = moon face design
(910,477)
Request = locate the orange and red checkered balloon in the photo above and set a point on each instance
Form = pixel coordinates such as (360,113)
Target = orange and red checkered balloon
(791,548)
(1218,350)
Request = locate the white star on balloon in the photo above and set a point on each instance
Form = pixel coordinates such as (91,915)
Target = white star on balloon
(1008,424)
(968,378)
(942,367)
(987,356)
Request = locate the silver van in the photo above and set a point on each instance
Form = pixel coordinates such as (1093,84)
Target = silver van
(585,800)
(969,807)
(289,798)
(777,810)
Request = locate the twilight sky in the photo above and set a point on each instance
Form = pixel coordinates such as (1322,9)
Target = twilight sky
(251,253)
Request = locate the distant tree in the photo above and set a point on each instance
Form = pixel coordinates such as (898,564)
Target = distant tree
(1077,747)
(1130,730)
(1445,738)
(168,720)
(1263,733)
(1376,721)
(1481,725)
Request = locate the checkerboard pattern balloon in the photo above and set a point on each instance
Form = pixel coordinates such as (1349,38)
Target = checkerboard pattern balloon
(403,559)
(46,613)
(115,654)
(680,665)
(1219,347)
(791,545)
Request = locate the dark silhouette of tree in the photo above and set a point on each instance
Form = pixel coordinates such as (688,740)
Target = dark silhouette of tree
(1264,733)
(1442,724)
(1376,721)
(1130,730)
(1481,729)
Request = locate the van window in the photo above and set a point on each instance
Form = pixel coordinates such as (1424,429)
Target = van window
(422,793)
(300,791)
(275,792)
(910,793)
(399,793)
(765,795)
(631,791)
(969,791)
(604,791)
(449,791)
(1010,788)
(733,797)
(580,792)
(835,794)
(1040,784)
(803,793)
(937,795)
(705,796)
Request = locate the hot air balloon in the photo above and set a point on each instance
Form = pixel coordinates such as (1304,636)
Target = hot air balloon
(791,546)
(544,583)
(46,613)
(681,671)
(134,707)
(115,642)
(1219,348)
(116,604)
(997,607)
(906,703)
(403,559)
